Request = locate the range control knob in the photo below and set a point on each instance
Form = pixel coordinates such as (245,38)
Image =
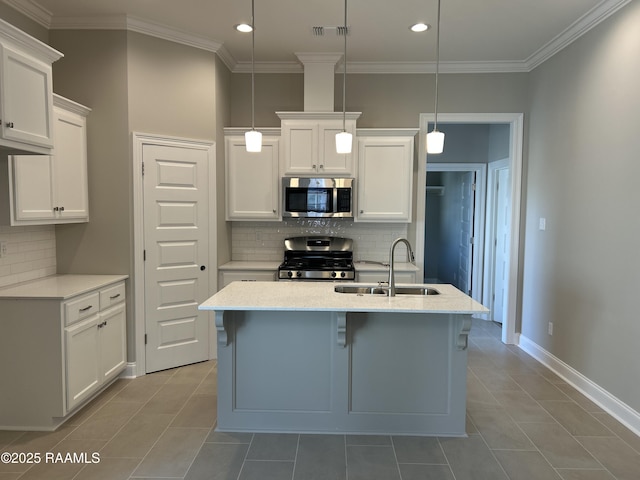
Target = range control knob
(299,274)
(333,274)
(342,274)
(289,274)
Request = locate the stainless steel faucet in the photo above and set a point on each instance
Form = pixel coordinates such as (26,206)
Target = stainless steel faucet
(392,273)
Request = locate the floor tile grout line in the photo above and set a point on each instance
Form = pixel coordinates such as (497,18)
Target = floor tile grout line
(395,456)
(163,431)
(246,454)
(295,458)
(172,420)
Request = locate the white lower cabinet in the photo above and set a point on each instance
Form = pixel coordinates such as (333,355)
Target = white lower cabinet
(61,351)
(95,353)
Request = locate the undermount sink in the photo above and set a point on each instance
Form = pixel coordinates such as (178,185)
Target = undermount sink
(383,291)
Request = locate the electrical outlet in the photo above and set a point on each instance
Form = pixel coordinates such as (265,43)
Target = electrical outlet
(3,249)
(550,328)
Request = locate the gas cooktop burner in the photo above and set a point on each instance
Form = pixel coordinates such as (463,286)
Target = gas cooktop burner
(317,258)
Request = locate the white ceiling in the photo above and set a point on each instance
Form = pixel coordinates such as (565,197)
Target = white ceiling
(476,35)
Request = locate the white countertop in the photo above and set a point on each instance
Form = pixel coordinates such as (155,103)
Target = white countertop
(58,287)
(370,266)
(320,296)
(248,265)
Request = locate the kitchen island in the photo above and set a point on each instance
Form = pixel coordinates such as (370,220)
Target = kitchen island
(301,357)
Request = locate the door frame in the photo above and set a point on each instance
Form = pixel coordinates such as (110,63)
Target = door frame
(516,136)
(489,254)
(139,140)
(480,169)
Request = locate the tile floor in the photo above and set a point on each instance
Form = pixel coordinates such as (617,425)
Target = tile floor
(524,423)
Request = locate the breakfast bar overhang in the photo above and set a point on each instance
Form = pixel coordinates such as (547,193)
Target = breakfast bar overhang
(301,357)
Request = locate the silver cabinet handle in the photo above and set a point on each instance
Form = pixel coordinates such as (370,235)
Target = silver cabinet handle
(62,209)
(86,308)
(114,297)
(7,124)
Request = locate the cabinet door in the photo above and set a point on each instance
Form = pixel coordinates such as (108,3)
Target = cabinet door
(252,180)
(83,369)
(70,162)
(33,195)
(331,162)
(113,343)
(385,169)
(26,99)
(300,147)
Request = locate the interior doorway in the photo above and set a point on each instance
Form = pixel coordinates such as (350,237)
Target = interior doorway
(454,226)
(513,124)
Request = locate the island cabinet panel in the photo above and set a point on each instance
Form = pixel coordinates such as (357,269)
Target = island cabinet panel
(277,373)
(399,366)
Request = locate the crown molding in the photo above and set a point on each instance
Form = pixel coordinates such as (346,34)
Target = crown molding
(390,67)
(33,10)
(593,17)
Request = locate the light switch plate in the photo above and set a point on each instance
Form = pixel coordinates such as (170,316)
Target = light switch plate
(542,225)
(3,249)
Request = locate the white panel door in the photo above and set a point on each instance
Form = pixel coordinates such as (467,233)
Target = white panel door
(467,207)
(176,252)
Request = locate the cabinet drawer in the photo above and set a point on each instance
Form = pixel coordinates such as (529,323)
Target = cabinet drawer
(82,307)
(112,295)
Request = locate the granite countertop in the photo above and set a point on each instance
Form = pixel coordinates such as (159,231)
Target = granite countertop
(320,296)
(58,287)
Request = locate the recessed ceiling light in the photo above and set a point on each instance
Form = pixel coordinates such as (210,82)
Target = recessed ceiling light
(419,27)
(243,27)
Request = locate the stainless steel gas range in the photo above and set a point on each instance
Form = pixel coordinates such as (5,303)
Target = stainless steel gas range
(317,258)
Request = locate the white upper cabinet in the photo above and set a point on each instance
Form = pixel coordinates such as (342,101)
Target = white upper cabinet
(309,146)
(385,175)
(51,189)
(252,179)
(26,105)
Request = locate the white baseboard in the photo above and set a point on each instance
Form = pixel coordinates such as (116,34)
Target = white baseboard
(129,371)
(611,404)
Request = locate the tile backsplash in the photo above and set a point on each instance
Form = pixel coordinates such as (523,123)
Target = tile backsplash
(30,253)
(264,241)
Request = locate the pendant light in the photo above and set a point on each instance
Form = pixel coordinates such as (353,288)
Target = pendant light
(435,139)
(253,138)
(344,139)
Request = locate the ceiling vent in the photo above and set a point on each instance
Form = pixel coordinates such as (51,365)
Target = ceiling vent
(339,31)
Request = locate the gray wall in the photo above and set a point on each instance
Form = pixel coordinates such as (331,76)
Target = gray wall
(138,83)
(583,272)
(386,101)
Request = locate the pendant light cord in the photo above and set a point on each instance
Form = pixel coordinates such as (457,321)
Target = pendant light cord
(344,73)
(253,47)
(435,123)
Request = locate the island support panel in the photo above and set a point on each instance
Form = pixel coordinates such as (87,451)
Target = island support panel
(336,372)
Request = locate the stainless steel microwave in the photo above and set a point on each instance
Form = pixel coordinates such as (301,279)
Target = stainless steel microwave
(317,197)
